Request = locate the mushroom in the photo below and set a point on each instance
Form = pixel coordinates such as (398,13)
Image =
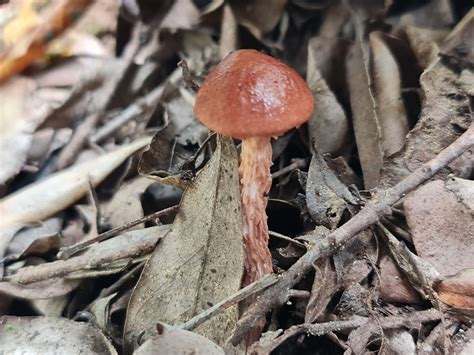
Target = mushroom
(253,97)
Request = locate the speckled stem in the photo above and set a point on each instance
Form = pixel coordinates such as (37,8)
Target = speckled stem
(256,181)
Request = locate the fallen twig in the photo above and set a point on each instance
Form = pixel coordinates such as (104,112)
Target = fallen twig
(403,320)
(242,294)
(68,251)
(375,209)
(136,109)
(132,246)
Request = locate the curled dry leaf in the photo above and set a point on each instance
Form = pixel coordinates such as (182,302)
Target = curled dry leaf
(202,254)
(458,290)
(37,239)
(62,189)
(171,340)
(326,197)
(438,219)
(51,335)
(174,145)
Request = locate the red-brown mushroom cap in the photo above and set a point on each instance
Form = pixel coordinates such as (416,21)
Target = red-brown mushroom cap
(251,94)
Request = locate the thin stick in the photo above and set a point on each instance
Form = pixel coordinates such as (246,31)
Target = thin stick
(220,307)
(370,214)
(403,320)
(67,252)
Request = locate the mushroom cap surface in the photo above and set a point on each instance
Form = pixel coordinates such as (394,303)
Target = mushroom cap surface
(251,94)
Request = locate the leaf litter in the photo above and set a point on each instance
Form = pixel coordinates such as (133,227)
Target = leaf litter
(105,249)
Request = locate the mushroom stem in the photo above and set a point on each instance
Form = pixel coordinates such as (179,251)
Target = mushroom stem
(256,181)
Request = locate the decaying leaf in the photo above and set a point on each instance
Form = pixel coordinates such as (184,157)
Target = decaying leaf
(51,335)
(62,189)
(326,196)
(174,145)
(170,340)
(202,254)
(458,290)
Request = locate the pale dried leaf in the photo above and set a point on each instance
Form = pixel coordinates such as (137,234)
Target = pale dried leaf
(40,290)
(200,262)
(170,340)
(62,189)
(20,113)
(51,335)
(37,239)
(442,227)
(182,15)
(125,206)
(387,89)
(399,342)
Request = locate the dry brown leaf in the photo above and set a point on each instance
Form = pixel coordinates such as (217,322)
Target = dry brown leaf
(328,125)
(364,115)
(258,16)
(51,335)
(125,206)
(442,226)
(62,189)
(326,196)
(170,340)
(174,145)
(394,286)
(445,114)
(40,290)
(200,262)
(458,290)
(387,83)
(324,287)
